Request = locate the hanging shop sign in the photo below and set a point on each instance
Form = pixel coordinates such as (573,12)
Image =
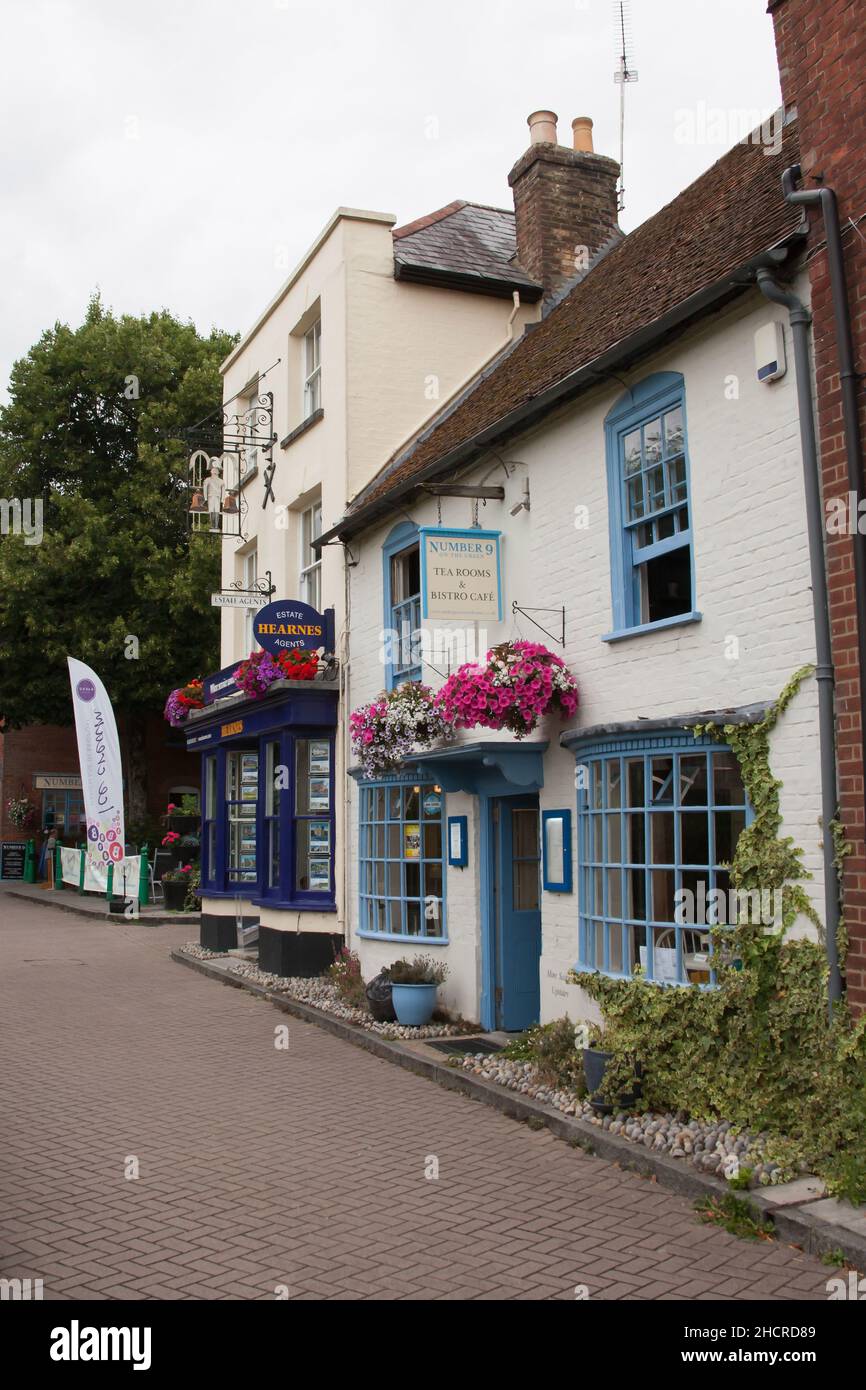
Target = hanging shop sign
(288,625)
(99,756)
(461,574)
(235,600)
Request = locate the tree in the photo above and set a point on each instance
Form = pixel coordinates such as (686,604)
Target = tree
(94,429)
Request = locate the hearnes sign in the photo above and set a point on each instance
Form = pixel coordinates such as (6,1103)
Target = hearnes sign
(460,574)
(288,625)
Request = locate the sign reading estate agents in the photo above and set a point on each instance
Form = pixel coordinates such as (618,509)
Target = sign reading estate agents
(460,574)
(289,625)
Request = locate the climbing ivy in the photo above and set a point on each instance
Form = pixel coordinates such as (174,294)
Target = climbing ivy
(756,1050)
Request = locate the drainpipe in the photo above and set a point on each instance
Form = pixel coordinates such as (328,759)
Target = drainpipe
(825,198)
(800,320)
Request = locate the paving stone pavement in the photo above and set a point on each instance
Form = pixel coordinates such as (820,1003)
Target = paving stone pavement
(304,1168)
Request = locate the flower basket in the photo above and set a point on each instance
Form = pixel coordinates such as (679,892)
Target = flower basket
(21,812)
(181,701)
(520,684)
(395,725)
(257,674)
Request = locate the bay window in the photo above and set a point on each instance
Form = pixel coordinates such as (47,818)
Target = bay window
(402,894)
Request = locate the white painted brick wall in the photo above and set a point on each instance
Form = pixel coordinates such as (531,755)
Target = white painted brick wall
(752,576)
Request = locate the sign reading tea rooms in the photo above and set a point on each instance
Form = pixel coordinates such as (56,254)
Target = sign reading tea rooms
(460,573)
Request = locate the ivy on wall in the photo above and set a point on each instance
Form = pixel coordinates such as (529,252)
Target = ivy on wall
(757,1049)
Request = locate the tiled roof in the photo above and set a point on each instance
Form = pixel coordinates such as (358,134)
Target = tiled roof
(731,214)
(465,240)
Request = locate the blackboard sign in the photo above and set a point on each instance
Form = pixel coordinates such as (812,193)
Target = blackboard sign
(12,854)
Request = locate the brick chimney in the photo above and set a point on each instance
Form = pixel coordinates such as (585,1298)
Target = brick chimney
(564,201)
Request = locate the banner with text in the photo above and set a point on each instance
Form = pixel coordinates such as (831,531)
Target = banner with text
(99,756)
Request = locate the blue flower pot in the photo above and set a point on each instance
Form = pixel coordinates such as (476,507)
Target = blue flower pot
(414,1004)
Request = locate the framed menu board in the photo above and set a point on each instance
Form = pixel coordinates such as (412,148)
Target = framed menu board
(12,857)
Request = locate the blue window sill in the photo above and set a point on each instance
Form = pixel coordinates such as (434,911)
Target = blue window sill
(680,620)
(395,936)
(294,905)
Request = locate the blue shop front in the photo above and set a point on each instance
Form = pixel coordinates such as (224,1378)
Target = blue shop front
(268,831)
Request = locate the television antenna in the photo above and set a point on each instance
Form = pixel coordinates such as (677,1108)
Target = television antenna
(624,73)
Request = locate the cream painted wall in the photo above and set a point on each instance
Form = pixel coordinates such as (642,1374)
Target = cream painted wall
(752,577)
(381,341)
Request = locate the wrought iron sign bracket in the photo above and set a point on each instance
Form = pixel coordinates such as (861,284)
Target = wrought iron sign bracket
(528,612)
(264,586)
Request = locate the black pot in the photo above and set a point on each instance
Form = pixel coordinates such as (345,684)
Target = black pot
(594,1067)
(117,905)
(175,893)
(378,994)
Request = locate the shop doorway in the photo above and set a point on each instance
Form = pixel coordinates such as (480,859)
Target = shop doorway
(516,846)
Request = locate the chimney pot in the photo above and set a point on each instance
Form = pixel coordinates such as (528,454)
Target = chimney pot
(581,128)
(542,127)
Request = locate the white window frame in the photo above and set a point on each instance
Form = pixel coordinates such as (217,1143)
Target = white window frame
(313,369)
(310,574)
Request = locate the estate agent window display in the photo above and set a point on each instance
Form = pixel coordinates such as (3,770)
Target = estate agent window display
(268,831)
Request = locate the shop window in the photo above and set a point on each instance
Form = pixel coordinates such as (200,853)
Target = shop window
(650,508)
(242,790)
(209,821)
(401,827)
(313,816)
(64,811)
(657,825)
(402,583)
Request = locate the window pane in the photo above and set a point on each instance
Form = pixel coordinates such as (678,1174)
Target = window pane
(395,841)
(395,889)
(524,831)
(674,431)
(635,777)
(652,441)
(666,585)
(663,895)
(614,893)
(662,780)
(729,827)
(413,880)
(433,841)
(662,837)
(525,885)
(693,781)
(727,782)
(597,841)
(394,802)
(694,829)
(614,784)
(614,839)
(631,452)
(635,881)
(412,803)
(636,838)
(635,499)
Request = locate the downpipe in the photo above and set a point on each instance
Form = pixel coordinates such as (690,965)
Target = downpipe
(800,320)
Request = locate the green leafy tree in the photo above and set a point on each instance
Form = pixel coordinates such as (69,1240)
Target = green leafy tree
(94,429)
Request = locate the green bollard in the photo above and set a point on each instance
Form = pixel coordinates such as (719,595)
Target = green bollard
(58,868)
(30,862)
(143,879)
(81,872)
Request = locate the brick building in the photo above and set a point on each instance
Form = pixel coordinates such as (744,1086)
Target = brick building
(41,762)
(822,65)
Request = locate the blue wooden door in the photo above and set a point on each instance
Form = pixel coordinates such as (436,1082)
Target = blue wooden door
(518,911)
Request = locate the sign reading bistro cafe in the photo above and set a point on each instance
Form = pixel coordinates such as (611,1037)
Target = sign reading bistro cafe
(460,573)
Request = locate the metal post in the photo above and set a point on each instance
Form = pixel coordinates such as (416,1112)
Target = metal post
(81,872)
(30,862)
(143,880)
(58,867)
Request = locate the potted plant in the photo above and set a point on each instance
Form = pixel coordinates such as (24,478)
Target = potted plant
(181,701)
(596,1060)
(183,818)
(175,883)
(413,989)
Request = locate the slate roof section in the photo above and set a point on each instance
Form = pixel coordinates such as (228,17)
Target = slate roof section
(467,245)
(709,232)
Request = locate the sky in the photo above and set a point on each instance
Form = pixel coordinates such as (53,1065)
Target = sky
(183,154)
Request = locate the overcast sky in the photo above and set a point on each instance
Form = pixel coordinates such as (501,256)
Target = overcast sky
(184,153)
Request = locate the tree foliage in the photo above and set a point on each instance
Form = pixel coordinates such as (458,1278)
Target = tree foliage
(94,429)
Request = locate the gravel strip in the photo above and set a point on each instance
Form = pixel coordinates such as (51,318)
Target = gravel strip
(711,1148)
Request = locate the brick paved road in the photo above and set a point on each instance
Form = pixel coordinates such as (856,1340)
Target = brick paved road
(304,1168)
